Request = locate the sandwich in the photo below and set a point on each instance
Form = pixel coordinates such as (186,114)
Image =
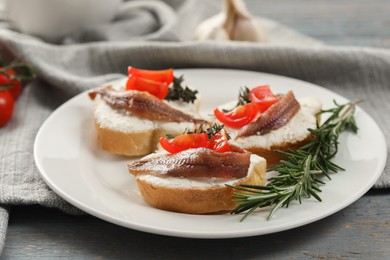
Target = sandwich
(191,173)
(264,123)
(133,114)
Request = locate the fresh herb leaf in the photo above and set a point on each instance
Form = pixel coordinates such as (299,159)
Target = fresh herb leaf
(178,92)
(211,130)
(243,96)
(300,174)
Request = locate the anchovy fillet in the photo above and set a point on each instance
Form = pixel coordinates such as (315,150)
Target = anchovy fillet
(142,104)
(196,162)
(274,118)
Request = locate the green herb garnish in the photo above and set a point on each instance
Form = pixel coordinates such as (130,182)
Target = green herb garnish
(243,96)
(210,130)
(300,174)
(178,92)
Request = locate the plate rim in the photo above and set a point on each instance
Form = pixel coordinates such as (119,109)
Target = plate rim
(182,233)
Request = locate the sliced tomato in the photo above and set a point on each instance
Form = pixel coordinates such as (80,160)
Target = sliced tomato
(263,97)
(219,142)
(156,82)
(14,86)
(156,88)
(266,103)
(155,75)
(238,117)
(184,142)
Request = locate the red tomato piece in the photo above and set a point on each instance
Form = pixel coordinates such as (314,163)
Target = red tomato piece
(219,142)
(263,97)
(266,103)
(238,117)
(184,142)
(155,75)
(14,85)
(157,89)
(6,107)
(259,93)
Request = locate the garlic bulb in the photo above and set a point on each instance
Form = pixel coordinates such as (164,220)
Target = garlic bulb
(234,23)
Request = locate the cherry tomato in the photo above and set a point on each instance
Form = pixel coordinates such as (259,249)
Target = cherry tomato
(239,117)
(15,85)
(184,142)
(263,97)
(156,88)
(219,142)
(6,107)
(155,75)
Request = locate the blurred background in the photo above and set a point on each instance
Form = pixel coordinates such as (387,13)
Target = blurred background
(338,22)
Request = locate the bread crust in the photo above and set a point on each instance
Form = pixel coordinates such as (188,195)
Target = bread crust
(272,157)
(135,143)
(130,144)
(198,200)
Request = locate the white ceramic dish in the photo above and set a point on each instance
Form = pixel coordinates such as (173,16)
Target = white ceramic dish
(72,164)
(55,19)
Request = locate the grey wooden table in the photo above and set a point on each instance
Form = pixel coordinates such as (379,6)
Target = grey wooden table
(361,230)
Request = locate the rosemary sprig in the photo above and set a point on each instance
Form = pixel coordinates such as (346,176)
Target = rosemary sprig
(299,176)
(178,92)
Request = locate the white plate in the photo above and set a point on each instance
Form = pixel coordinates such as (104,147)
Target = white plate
(72,164)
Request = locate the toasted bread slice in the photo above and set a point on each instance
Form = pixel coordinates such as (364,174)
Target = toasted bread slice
(197,195)
(120,132)
(130,144)
(293,135)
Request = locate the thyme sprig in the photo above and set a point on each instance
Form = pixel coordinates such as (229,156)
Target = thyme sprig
(243,96)
(178,92)
(299,175)
(210,130)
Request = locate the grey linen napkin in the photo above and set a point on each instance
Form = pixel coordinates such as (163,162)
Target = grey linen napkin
(161,39)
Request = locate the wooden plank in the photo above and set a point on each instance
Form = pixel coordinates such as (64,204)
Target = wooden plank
(339,22)
(360,231)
